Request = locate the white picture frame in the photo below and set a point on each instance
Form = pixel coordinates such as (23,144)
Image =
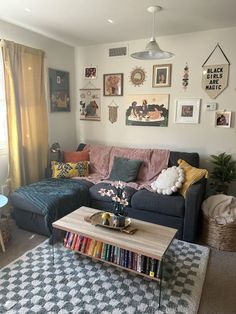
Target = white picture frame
(187,110)
(223,119)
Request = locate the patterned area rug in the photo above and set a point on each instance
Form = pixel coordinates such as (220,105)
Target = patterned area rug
(76,284)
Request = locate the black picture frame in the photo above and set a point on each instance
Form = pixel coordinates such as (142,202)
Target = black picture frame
(59,90)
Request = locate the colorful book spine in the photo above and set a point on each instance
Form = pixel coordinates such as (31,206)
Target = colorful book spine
(103,254)
(66,238)
(122,258)
(91,247)
(152,269)
(77,244)
(139,262)
(118,256)
(83,246)
(88,242)
(70,239)
(130,259)
(126,259)
(98,250)
(74,241)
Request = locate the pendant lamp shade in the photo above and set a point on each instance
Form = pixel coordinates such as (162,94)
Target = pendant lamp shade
(152,50)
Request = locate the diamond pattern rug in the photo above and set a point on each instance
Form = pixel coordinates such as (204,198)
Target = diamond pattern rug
(76,284)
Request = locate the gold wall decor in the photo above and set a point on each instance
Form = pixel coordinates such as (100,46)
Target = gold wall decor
(137,76)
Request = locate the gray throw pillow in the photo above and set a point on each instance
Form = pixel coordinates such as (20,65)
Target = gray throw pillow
(124,169)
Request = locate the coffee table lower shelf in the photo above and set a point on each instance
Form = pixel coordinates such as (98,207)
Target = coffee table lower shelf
(148,244)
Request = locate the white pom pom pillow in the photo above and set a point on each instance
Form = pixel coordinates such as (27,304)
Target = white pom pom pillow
(169,181)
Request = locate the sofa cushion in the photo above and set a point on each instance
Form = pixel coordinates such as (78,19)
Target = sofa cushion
(191,158)
(93,191)
(70,169)
(192,175)
(164,204)
(124,169)
(154,160)
(169,181)
(76,156)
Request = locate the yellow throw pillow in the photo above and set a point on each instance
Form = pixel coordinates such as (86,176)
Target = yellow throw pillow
(70,169)
(192,175)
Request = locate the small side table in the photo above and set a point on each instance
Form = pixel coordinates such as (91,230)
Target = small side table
(3,202)
(2,242)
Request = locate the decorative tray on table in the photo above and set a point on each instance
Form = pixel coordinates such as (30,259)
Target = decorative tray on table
(108,220)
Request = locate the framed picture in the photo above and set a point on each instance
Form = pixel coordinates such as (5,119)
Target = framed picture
(90,73)
(147,110)
(59,90)
(90,107)
(223,119)
(187,110)
(161,75)
(113,84)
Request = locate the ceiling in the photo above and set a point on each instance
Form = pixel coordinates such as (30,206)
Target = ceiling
(85,22)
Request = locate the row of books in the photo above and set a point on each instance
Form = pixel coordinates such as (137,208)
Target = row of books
(112,254)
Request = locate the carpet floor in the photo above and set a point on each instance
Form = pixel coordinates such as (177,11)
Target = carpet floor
(76,284)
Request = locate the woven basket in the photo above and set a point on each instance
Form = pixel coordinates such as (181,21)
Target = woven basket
(221,237)
(5,229)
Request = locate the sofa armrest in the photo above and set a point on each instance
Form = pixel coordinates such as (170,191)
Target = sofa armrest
(193,202)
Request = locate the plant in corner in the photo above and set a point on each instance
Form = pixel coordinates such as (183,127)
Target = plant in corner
(223,172)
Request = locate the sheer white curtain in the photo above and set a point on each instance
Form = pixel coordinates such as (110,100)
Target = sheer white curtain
(3,131)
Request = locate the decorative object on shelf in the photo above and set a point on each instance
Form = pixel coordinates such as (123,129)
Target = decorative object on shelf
(90,73)
(215,77)
(187,110)
(185,77)
(147,110)
(161,75)
(137,76)
(152,50)
(119,200)
(223,172)
(223,119)
(55,152)
(90,107)
(112,221)
(59,90)
(113,84)
(113,112)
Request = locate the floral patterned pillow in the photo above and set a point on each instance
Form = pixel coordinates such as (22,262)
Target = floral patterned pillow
(70,169)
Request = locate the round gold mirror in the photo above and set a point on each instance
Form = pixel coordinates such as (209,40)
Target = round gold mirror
(137,76)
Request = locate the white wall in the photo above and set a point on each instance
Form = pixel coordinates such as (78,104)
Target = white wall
(58,56)
(193,48)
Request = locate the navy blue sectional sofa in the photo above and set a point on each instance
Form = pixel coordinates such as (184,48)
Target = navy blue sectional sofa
(172,211)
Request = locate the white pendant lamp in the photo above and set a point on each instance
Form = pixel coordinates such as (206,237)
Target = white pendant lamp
(152,50)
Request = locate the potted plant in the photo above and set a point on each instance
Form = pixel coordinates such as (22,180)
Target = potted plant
(223,172)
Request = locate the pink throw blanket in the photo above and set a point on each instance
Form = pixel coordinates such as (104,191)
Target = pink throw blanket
(101,161)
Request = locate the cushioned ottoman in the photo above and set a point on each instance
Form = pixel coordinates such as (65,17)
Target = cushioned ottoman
(37,205)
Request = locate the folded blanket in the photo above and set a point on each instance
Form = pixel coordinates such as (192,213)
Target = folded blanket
(220,207)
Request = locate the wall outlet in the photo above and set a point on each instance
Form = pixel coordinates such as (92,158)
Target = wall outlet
(211,106)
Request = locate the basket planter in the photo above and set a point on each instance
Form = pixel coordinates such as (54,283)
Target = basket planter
(221,237)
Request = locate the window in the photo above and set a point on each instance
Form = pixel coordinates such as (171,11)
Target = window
(3,115)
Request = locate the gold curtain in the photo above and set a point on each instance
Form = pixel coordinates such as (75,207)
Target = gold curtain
(26,112)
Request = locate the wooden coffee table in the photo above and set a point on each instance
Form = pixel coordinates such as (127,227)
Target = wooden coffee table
(150,240)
